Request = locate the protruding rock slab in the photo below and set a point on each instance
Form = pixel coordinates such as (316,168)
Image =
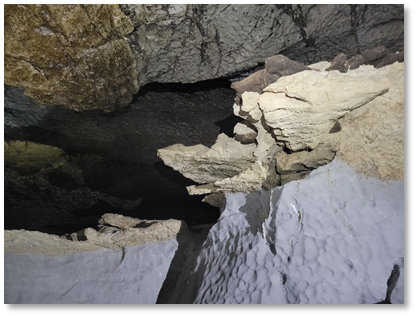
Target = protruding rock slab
(302,108)
(115,232)
(313,114)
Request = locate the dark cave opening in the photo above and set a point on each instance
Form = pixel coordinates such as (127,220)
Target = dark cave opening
(109,163)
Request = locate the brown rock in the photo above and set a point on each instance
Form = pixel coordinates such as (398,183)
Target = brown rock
(355,61)
(71,55)
(282,66)
(339,63)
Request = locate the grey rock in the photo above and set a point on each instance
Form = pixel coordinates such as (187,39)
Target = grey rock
(355,61)
(374,53)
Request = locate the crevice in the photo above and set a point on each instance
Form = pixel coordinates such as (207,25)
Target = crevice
(298,19)
(354,26)
(391,284)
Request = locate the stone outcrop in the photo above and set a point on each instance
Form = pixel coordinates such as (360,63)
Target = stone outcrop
(335,237)
(97,56)
(297,124)
(371,138)
(114,232)
(302,108)
(71,55)
(275,67)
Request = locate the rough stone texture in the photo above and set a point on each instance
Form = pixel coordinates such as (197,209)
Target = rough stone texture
(228,166)
(116,232)
(296,165)
(275,67)
(302,112)
(302,108)
(197,42)
(372,137)
(201,164)
(132,275)
(71,55)
(339,63)
(332,238)
(96,57)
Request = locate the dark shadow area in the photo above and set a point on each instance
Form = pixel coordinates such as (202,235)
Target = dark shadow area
(111,158)
(38,135)
(182,87)
(227,125)
(391,284)
(181,275)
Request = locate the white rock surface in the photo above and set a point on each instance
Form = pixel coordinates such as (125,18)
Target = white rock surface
(133,275)
(303,107)
(333,237)
(125,261)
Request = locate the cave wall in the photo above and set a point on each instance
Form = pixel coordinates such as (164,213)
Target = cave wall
(97,56)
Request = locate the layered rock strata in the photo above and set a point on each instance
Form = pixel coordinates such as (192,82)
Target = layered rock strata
(297,124)
(114,232)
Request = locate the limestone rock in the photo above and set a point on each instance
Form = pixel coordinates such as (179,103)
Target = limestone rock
(227,158)
(197,42)
(30,157)
(372,136)
(308,113)
(229,165)
(339,63)
(296,165)
(275,67)
(131,275)
(302,108)
(244,133)
(116,232)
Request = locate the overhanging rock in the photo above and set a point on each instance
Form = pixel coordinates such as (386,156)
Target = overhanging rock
(297,124)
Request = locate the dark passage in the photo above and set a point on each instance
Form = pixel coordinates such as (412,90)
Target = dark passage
(109,161)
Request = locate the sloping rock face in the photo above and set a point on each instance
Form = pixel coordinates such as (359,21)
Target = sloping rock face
(125,261)
(335,237)
(97,56)
(297,124)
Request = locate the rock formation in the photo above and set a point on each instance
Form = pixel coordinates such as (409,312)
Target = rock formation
(71,55)
(97,56)
(335,237)
(297,124)
(125,261)
(115,232)
(307,174)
